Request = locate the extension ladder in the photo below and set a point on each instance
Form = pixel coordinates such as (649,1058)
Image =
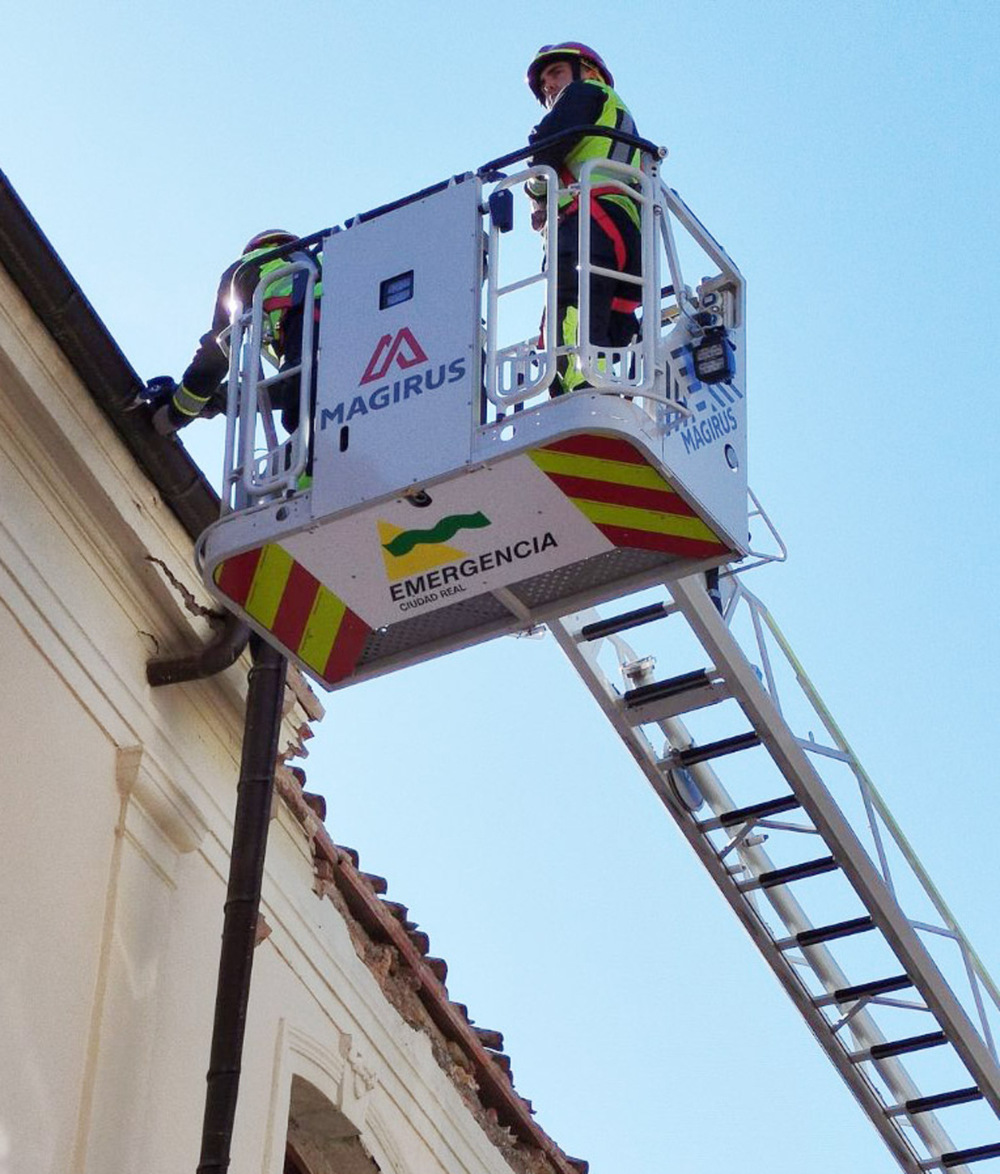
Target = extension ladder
(838,904)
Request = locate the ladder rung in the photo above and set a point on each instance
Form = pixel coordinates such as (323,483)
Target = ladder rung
(657,690)
(665,699)
(977,1154)
(783,876)
(628,619)
(899,1047)
(828,933)
(731,819)
(866,990)
(941,1100)
(714,749)
(838,930)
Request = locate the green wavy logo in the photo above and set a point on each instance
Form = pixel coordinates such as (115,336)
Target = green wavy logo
(443,531)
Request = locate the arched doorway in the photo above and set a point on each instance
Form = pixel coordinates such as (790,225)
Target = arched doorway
(320,1138)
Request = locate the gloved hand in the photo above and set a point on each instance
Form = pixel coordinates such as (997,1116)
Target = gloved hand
(159,390)
(534,189)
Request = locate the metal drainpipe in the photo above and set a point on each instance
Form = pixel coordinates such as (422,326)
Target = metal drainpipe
(221,652)
(246,870)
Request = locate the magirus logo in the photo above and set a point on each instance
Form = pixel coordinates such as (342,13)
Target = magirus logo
(400,350)
(403,349)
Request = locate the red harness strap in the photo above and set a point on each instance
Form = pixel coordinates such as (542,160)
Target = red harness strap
(283,302)
(598,213)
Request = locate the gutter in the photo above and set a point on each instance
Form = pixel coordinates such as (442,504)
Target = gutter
(57,300)
(50,290)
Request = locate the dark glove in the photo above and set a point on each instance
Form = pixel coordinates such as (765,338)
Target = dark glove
(159,390)
(534,189)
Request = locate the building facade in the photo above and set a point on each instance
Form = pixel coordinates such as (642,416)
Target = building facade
(118,812)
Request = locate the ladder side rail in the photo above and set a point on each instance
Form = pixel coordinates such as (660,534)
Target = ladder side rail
(977,980)
(251,373)
(523,283)
(875,808)
(673,204)
(652,319)
(817,957)
(765,658)
(655,202)
(265,411)
(685,309)
(233,341)
(863,1028)
(758,614)
(250,376)
(302,436)
(758,558)
(273,474)
(827,817)
(876,804)
(683,324)
(638,186)
(678,323)
(494,291)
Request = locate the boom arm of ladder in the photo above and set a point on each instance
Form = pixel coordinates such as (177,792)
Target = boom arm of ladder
(793,762)
(852,1012)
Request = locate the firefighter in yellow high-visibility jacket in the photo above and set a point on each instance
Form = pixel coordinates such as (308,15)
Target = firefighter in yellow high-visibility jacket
(199,389)
(576,87)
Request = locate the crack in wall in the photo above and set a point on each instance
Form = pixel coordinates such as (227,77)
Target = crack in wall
(187,597)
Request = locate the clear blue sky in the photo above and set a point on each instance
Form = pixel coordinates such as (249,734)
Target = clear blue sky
(845,154)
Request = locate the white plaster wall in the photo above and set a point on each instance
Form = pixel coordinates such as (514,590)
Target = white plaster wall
(107,784)
(56,849)
(114,846)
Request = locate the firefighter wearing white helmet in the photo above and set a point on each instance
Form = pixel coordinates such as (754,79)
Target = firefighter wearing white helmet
(199,390)
(575,86)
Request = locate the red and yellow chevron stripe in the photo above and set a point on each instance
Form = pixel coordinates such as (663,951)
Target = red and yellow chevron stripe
(631,504)
(286,600)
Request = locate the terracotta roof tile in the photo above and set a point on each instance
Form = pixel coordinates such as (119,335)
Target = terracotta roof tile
(396,952)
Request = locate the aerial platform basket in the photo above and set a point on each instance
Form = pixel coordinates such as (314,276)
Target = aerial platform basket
(436,493)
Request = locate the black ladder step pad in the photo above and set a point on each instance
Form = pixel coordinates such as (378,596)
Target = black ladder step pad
(880,986)
(794,872)
(942,1100)
(628,619)
(657,690)
(830,933)
(978,1153)
(751,814)
(716,749)
(913,1043)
